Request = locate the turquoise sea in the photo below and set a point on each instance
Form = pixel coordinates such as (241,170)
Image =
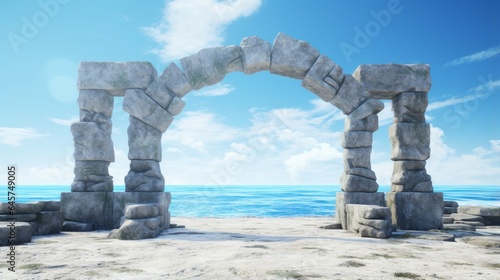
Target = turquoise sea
(260,201)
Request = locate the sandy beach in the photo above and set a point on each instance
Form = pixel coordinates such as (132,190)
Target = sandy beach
(250,248)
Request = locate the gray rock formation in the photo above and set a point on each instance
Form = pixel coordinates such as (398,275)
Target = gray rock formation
(356,139)
(369,220)
(144,176)
(385,81)
(256,54)
(92,176)
(410,141)
(22,232)
(138,104)
(344,198)
(416,210)
(144,141)
(410,107)
(91,142)
(291,57)
(350,95)
(115,77)
(369,123)
(355,183)
(324,78)
(76,226)
(49,222)
(141,221)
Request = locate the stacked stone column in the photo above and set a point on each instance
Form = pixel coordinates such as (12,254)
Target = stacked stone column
(413,204)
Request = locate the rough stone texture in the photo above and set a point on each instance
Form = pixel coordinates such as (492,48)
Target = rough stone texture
(318,81)
(410,141)
(20,208)
(416,210)
(176,106)
(458,227)
(18,217)
(209,66)
(429,235)
(96,101)
(89,207)
(350,95)
(353,183)
(141,211)
(483,241)
(175,80)
(449,203)
(410,107)
(369,220)
(356,139)
(139,229)
(91,142)
(291,57)
(485,211)
(92,176)
(410,176)
(256,54)
(450,210)
(448,220)
(48,205)
(122,199)
(369,123)
(79,186)
(144,176)
(75,226)
(370,107)
(141,106)
(23,234)
(357,158)
(467,218)
(115,77)
(159,93)
(363,172)
(49,222)
(144,141)
(385,81)
(344,198)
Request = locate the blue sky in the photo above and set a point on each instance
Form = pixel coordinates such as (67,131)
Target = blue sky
(258,129)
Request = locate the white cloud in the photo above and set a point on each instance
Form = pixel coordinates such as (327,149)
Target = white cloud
(188,26)
(65,122)
(476,57)
(14,136)
(215,90)
(315,162)
(453,101)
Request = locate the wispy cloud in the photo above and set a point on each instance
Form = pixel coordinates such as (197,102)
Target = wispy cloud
(452,101)
(215,90)
(476,57)
(188,26)
(65,122)
(13,136)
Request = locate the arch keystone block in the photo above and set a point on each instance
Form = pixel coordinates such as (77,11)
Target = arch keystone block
(291,57)
(256,54)
(209,66)
(138,104)
(318,81)
(385,81)
(115,77)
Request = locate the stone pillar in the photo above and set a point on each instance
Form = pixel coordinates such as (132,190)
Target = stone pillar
(93,144)
(413,203)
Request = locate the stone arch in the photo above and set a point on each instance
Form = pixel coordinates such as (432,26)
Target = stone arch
(153,101)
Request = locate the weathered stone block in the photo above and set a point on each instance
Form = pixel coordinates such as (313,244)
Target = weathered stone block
(115,77)
(256,54)
(22,230)
(410,176)
(350,95)
(18,217)
(410,141)
(485,211)
(141,211)
(209,66)
(449,203)
(363,172)
(159,93)
(291,57)
(410,107)
(49,222)
(80,186)
(122,199)
(175,80)
(369,123)
(20,208)
(353,183)
(176,106)
(94,208)
(356,139)
(144,141)
(315,82)
(377,227)
(75,226)
(450,210)
(97,101)
(92,171)
(144,176)
(344,198)
(416,210)
(91,142)
(370,107)
(48,205)
(366,231)
(139,105)
(385,81)
(357,158)
(414,185)
(139,229)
